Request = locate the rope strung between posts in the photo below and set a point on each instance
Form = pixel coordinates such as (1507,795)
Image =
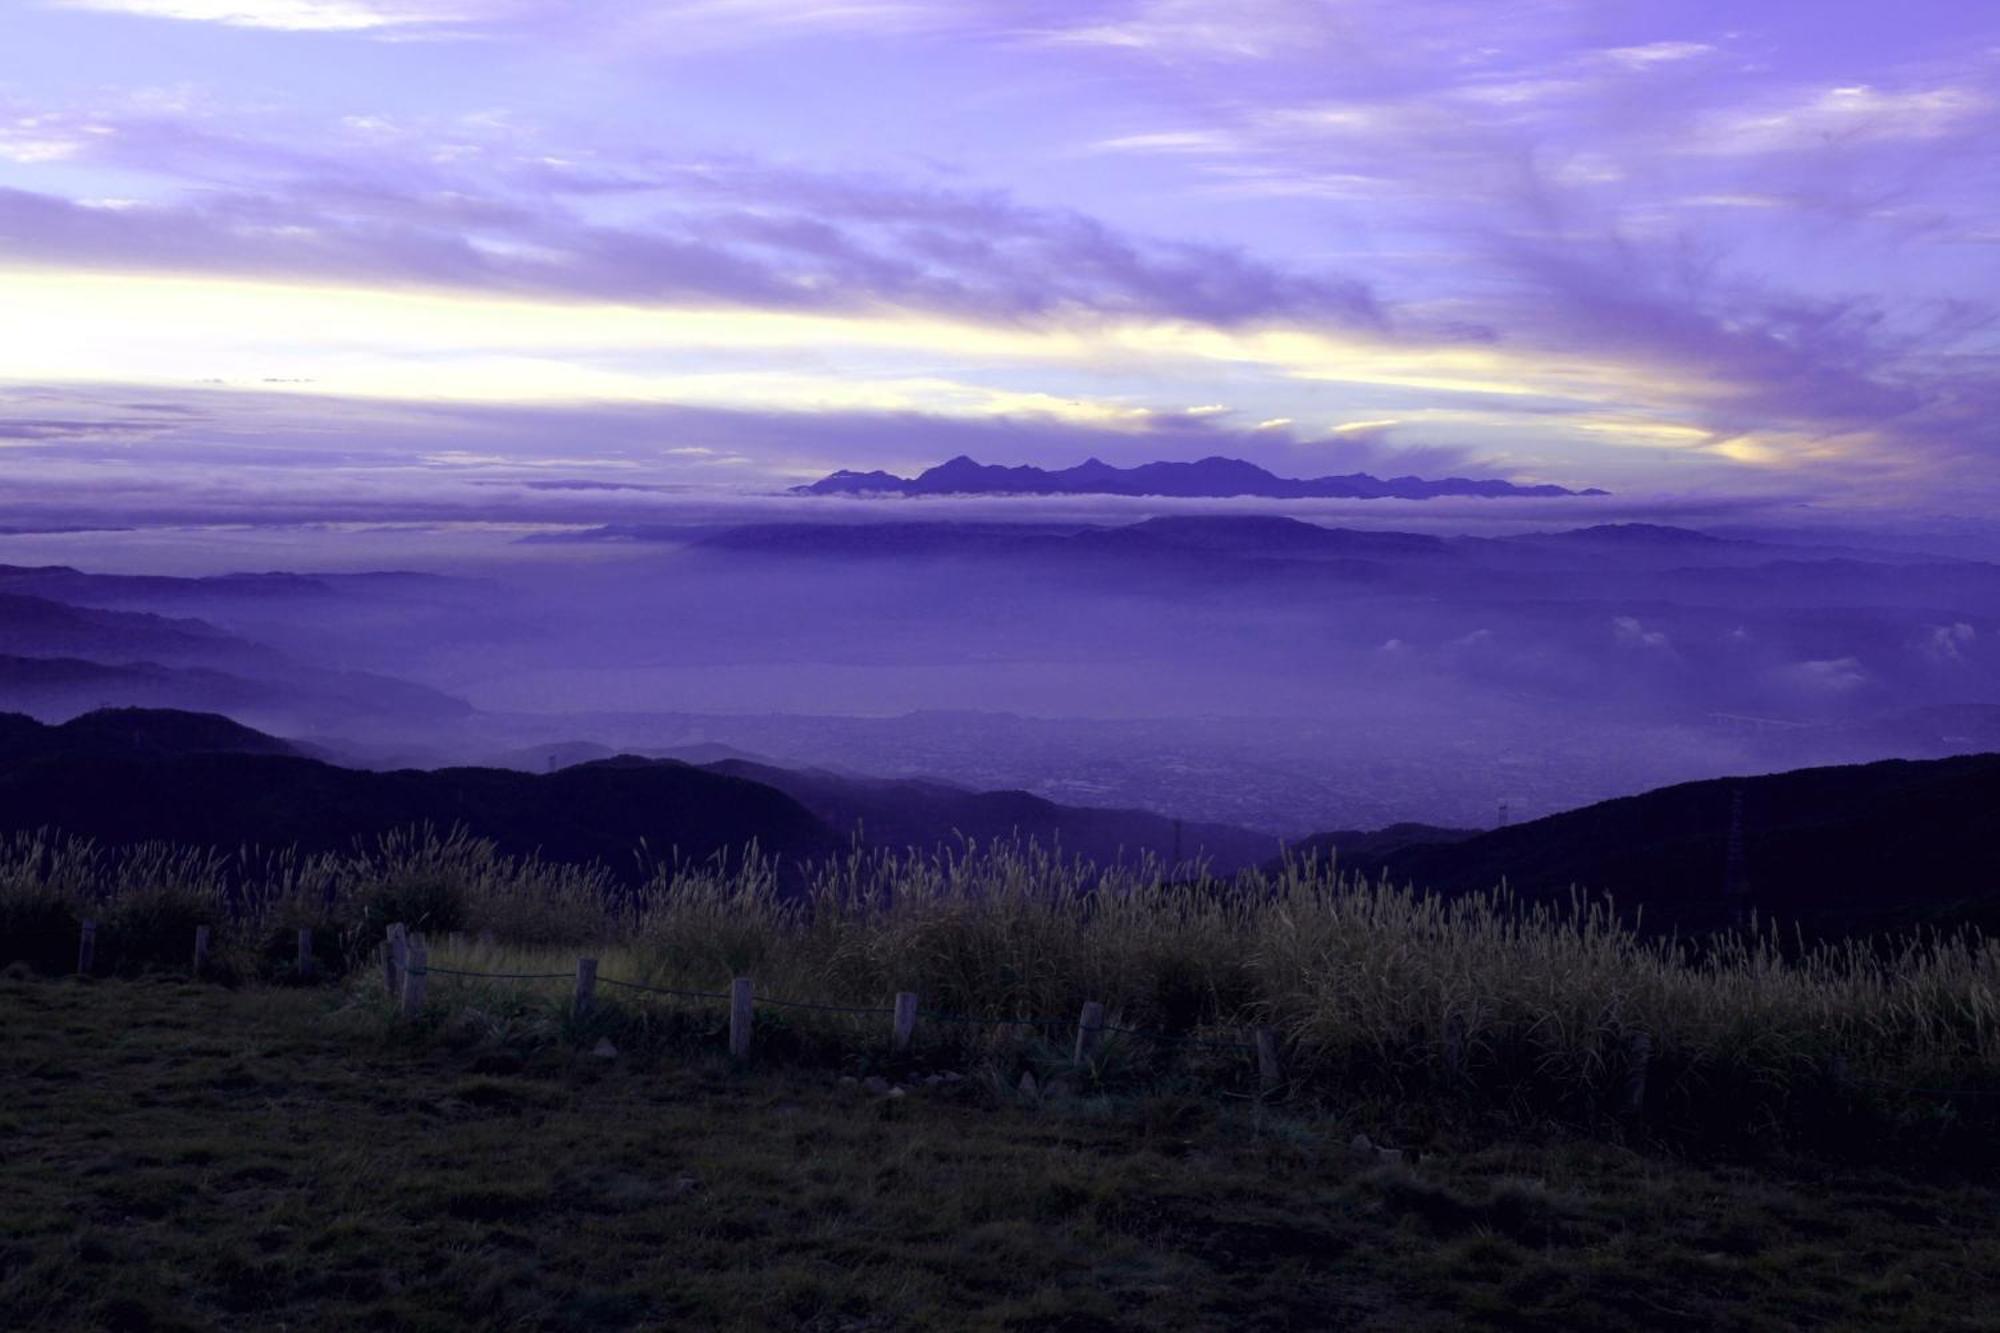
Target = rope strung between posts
(971,1020)
(665,990)
(967,1020)
(862,1011)
(823,1008)
(1176,1038)
(429,969)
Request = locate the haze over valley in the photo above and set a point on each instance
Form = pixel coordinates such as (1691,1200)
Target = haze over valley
(1277,674)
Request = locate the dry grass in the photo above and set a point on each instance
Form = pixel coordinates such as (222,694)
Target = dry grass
(1476,1005)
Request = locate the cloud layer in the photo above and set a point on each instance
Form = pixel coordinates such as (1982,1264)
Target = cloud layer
(1668,246)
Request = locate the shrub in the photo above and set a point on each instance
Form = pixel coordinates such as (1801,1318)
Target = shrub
(38,928)
(153,930)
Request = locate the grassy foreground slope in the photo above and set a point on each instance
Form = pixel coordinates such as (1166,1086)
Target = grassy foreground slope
(1477,1005)
(175,1156)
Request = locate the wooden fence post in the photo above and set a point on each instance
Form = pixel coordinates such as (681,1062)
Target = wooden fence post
(86,948)
(1089,1026)
(906,1018)
(741,1012)
(395,959)
(586,986)
(1270,1073)
(200,950)
(1638,1054)
(416,962)
(305,953)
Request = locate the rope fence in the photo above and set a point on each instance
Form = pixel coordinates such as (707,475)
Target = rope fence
(406,970)
(434,970)
(407,967)
(660,990)
(825,1008)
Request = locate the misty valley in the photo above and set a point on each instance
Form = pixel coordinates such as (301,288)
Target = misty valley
(1273,675)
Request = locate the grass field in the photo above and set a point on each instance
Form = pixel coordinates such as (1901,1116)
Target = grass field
(179,1156)
(1478,1005)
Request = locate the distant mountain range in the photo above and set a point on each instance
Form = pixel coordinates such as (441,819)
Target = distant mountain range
(71,641)
(64,583)
(1207,478)
(307,697)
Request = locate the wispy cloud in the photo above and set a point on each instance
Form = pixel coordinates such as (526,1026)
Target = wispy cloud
(307,15)
(1656,53)
(1841,117)
(502,218)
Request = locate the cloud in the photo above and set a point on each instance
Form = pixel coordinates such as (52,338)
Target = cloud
(1948,643)
(1628,631)
(55,430)
(1579,203)
(1738,256)
(1165,26)
(1840,117)
(308,15)
(93,456)
(1167,141)
(29,140)
(1825,677)
(1656,53)
(729,229)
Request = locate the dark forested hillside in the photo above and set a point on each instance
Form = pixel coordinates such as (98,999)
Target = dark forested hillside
(135,775)
(1857,846)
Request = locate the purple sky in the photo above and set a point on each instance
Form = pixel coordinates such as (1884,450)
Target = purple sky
(329,253)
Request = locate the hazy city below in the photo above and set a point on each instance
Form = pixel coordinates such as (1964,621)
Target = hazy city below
(1223,663)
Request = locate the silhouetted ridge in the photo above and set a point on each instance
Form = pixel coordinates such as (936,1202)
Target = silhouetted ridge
(134,732)
(1195,537)
(124,775)
(136,775)
(1207,478)
(65,583)
(1835,849)
(1351,847)
(1630,534)
(1267,535)
(914,812)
